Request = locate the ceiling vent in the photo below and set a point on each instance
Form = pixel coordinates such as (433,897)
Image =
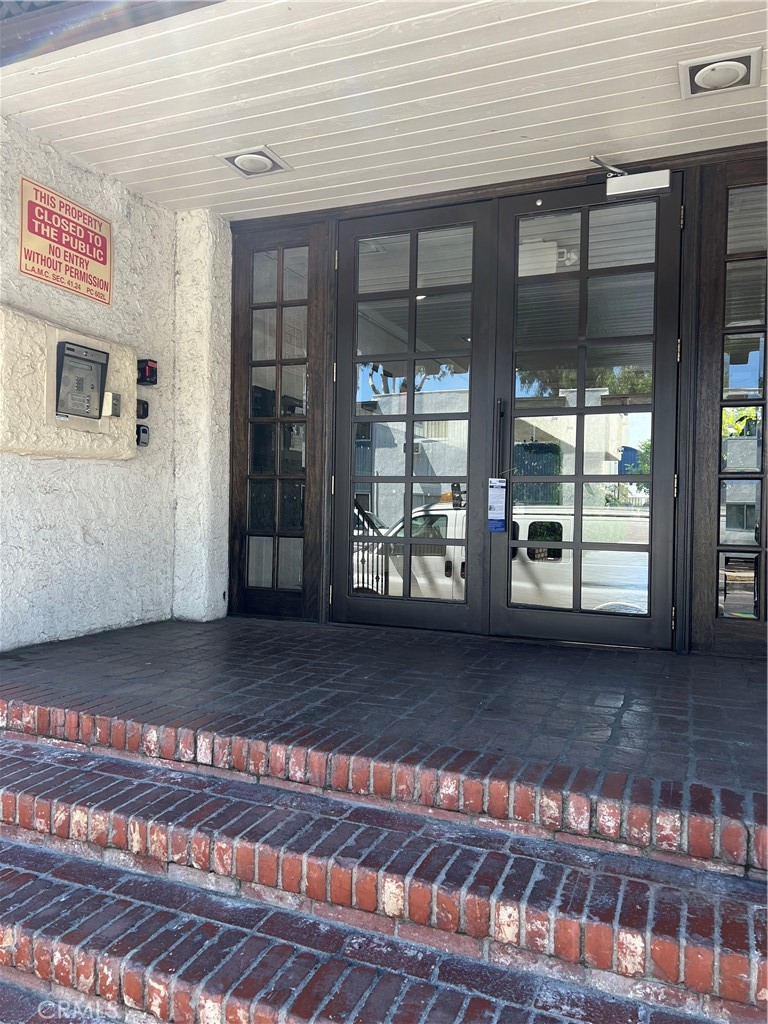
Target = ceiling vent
(256,162)
(739,70)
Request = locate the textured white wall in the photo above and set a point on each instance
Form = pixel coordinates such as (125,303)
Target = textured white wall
(201,398)
(89,545)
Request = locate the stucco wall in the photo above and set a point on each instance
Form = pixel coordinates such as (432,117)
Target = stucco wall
(88,545)
(201,398)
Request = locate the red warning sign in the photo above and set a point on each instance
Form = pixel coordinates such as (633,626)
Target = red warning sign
(64,243)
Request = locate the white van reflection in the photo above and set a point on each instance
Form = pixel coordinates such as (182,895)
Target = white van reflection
(613,580)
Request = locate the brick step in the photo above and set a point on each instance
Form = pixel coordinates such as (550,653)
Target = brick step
(124,942)
(714,825)
(481,892)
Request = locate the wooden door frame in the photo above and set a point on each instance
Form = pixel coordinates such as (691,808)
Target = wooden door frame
(691,628)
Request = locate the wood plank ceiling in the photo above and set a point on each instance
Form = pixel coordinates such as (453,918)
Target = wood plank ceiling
(384,98)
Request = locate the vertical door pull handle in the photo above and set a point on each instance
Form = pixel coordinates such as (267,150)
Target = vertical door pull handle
(499,436)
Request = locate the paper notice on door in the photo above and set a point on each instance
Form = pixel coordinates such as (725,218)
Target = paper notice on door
(497,504)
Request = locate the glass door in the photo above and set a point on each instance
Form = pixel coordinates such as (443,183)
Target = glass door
(586,372)
(414,379)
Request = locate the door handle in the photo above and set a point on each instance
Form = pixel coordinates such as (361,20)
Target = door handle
(463,570)
(499,437)
(448,569)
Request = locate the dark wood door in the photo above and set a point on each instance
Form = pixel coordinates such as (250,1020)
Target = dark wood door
(586,390)
(415,362)
(280,364)
(550,362)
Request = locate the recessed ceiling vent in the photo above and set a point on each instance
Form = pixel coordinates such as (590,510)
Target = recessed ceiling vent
(256,162)
(716,74)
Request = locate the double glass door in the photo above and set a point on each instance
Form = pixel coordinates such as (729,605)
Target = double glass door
(531,341)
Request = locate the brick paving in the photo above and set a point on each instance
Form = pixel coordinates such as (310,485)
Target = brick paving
(99,931)
(700,930)
(695,718)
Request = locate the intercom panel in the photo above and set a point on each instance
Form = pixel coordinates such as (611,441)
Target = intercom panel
(81,376)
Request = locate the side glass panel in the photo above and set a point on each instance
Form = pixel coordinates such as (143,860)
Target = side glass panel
(278,409)
(743,366)
(741,439)
(741,543)
(738,590)
(746,220)
(618,444)
(745,294)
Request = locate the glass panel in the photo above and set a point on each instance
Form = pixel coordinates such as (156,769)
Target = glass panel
(383,264)
(744,366)
(295,273)
(293,398)
(543,582)
(440,447)
(294,339)
(619,374)
(742,440)
(618,443)
(261,506)
(622,235)
(264,287)
(382,326)
(263,334)
(545,378)
(291,506)
(543,511)
(290,562)
(745,293)
(614,581)
(292,440)
(445,257)
(381,389)
(262,391)
(263,448)
(619,305)
(378,508)
(379,449)
(549,244)
(747,219)
(613,515)
(377,568)
(737,585)
(447,499)
(548,311)
(442,385)
(443,323)
(542,531)
(545,445)
(739,512)
(438,570)
(259,561)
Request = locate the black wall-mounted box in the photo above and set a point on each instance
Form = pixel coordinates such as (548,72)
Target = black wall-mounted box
(147,371)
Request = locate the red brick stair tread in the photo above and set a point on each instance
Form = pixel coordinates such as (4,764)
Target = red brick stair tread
(656,815)
(207,959)
(638,918)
